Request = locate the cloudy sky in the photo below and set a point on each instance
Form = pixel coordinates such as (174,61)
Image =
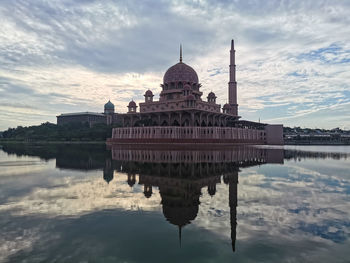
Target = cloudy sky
(58,56)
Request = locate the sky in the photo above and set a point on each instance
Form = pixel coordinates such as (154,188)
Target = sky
(60,56)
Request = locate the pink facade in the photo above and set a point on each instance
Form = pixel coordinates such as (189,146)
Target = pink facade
(170,134)
(181,90)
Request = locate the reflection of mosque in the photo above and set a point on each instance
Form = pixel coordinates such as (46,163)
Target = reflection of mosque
(180,176)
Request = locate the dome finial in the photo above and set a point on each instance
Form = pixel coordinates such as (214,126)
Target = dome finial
(180,53)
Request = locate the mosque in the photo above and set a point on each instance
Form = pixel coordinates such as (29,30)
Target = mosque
(181,115)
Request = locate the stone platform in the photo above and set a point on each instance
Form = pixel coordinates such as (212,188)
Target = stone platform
(272,134)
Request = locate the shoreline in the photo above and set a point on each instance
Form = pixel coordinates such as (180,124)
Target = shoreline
(105,142)
(52,142)
(318,143)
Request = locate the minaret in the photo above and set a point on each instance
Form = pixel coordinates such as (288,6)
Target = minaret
(232,85)
(180,53)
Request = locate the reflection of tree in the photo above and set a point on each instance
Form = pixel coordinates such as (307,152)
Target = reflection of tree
(297,154)
(69,156)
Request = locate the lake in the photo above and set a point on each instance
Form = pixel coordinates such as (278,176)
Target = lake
(87,203)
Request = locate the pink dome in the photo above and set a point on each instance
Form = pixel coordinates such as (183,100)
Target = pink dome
(211,95)
(180,72)
(149,93)
(226,106)
(187,87)
(190,97)
(132,104)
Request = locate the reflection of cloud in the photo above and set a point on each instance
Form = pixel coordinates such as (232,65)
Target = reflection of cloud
(15,241)
(11,165)
(77,197)
(71,196)
(287,204)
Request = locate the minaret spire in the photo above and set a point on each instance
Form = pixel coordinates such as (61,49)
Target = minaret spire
(232,84)
(180,53)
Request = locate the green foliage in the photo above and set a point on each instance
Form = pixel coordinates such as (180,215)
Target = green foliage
(52,132)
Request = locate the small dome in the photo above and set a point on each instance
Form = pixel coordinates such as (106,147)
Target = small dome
(132,104)
(187,87)
(148,93)
(226,106)
(180,72)
(190,97)
(211,95)
(109,105)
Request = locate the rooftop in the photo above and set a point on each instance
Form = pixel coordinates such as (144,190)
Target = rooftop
(81,113)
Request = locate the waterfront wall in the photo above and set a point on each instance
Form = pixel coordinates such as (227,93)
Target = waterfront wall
(171,134)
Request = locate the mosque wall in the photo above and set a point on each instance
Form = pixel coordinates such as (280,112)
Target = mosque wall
(170,134)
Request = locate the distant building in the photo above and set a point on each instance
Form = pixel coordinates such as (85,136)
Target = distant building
(91,118)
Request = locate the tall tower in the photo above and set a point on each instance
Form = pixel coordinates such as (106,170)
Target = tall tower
(232,84)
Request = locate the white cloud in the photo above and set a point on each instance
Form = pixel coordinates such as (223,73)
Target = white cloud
(291,56)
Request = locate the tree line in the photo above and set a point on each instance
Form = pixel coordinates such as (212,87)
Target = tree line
(52,132)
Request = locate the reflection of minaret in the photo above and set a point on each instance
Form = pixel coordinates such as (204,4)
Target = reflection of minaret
(232,181)
(108,171)
(180,230)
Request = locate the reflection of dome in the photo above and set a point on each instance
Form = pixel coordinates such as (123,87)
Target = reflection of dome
(148,93)
(147,191)
(180,215)
(107,175)
(131,180)
(180,206)
(180,72)
(212,189)
(132,104)
(109,105)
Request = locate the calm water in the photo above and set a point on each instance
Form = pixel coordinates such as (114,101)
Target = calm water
(71,203)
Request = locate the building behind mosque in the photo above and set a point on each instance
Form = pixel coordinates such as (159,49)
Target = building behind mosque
(181,115)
